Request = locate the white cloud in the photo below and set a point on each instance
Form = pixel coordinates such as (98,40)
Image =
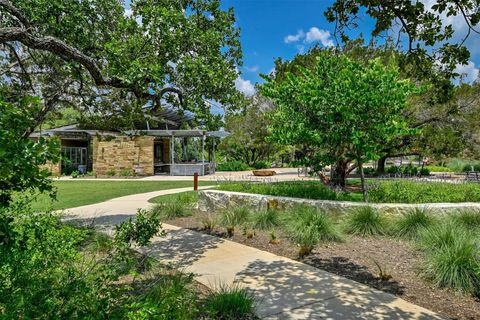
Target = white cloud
(468,73)
(252,69)
(294,37)
(245,86)
(321,35)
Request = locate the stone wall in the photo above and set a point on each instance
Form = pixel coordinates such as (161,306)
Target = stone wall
(212,200)
(123,153)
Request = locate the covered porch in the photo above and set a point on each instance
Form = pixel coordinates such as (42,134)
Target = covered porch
(183,152)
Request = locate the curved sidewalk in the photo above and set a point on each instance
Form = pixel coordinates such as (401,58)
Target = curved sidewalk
(285,288)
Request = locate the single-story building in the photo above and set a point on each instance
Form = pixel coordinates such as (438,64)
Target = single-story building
(163,150)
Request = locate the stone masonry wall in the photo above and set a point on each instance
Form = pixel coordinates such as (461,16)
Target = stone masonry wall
(212,200)
(55,169)
(123,153)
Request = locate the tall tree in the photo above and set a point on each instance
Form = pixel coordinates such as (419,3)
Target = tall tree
(423,31)
(343,110)
(96,56)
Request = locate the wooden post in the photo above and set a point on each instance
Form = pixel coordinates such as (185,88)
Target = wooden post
(195,181)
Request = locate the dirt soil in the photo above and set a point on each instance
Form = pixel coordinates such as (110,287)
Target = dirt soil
(356,258)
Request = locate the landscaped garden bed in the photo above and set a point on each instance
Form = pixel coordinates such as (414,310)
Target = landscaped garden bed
(423,258)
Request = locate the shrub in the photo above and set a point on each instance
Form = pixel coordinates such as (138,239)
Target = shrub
(468,218)
(111,173)
(232,166)
(424,172)
(75,174)
(411,223)
(410,170)
(423,192)
(230,303)
(451,258)
(438,169)
(266,219)
(308,226)
(262,165)
(368,170)
(365,221)
(393,170)
(232,218)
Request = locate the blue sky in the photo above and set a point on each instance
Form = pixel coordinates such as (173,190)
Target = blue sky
(283,28)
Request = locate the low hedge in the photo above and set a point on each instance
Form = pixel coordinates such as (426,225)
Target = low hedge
(232,166)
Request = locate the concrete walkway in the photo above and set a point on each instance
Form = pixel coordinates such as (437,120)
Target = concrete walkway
(285,289)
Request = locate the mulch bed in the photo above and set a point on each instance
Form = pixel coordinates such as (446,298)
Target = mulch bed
(356,259)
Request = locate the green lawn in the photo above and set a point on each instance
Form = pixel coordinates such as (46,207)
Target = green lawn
(174,197)
(77,193)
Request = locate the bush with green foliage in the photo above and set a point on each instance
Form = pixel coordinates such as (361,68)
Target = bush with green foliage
(412,223)
(232,166)
(307,226)
(402,191)
(75,174)
(47,273)
(393,170)
(230,303)
(111,173)
(424,172)
(460,165)
(262,165)
(365,221)
(126,173)
(438,169)
(451,258)
(233,217)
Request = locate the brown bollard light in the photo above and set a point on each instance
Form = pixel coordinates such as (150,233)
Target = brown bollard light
(195,181)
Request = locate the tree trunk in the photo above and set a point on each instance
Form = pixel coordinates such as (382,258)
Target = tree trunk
(339,174)
(381,165)
(362,179)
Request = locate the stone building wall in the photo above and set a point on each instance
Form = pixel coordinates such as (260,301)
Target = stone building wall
(123,153)
(55,169)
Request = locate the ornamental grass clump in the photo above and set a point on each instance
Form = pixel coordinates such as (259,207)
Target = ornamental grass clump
(232,218)
(230,302)
(411,223)
(365,221)
(308,226)
(266,219)
(451,258)
(468,218)
(177,207)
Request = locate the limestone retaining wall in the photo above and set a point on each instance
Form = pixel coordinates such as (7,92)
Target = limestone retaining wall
(123,153)
(211,200)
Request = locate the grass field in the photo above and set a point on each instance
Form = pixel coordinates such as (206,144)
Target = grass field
(78,193)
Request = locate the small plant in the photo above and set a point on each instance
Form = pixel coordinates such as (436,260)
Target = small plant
(91,174)
(273,238)
(126,173)
(424,172)
(266,219)
(111,173)
(175,209)
(412,222)
(234,217)
(308,226)
(365,221)
(469,219)
(230,302)
(75,174)
(440,235)
(209,222)
(382,272)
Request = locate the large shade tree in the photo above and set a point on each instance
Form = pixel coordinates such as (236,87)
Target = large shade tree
(343,110)
(110,64)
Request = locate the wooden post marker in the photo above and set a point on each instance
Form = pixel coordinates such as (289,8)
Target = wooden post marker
(195,181)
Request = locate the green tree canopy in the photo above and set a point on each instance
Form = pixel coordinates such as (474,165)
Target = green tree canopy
(344,110)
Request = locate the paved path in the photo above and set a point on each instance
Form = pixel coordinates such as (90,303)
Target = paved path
(286,289)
